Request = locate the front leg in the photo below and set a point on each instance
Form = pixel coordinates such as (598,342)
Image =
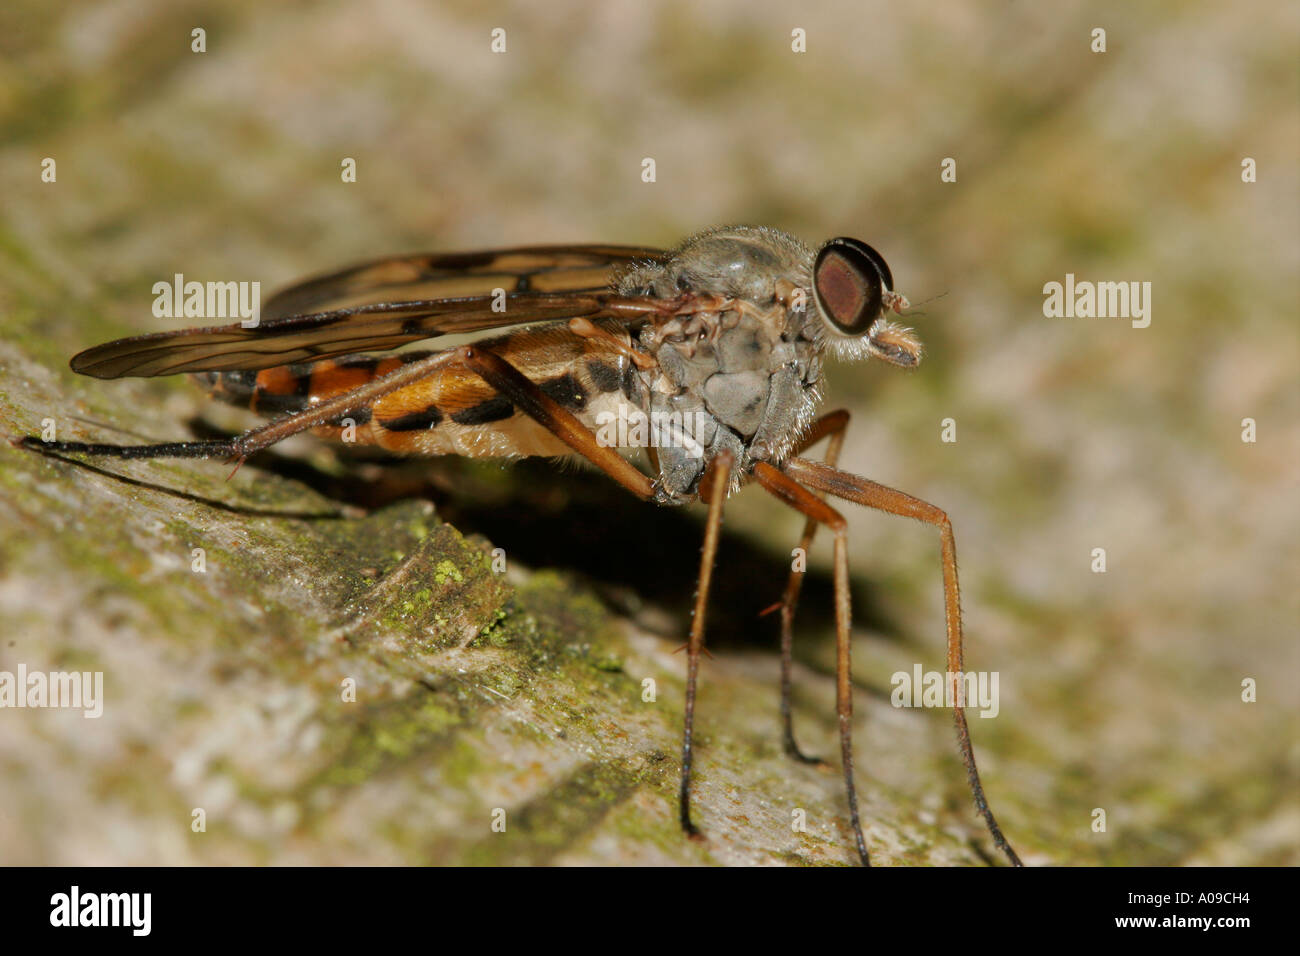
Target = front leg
(786,489)
(864,492)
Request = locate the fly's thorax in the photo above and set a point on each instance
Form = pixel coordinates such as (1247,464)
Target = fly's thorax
(744,380)
(739,262)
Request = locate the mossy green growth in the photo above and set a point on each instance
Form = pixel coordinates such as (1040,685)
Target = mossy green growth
(372,737)
(433,593)
(447,571)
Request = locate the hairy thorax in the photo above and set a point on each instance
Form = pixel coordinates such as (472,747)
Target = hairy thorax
(742,378)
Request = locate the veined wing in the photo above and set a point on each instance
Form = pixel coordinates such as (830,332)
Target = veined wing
(454,275)
(383,304)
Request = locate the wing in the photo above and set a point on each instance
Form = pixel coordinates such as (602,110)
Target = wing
(386,303)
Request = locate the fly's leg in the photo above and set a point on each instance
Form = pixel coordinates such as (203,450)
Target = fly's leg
(263,436)
(496,371)
(861,491)
(804,501)
(547,412)
(713,489)
(833,425)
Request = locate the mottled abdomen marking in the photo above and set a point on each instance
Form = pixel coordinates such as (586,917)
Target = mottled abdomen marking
(455,411)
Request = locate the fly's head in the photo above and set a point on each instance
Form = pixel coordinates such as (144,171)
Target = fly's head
(853,291)
(839,297)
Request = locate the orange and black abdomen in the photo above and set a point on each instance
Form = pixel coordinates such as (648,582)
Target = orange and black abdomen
(452,411)
(284,389)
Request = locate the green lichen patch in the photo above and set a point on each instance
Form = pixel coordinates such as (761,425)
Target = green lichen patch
(369,737)
(435,592)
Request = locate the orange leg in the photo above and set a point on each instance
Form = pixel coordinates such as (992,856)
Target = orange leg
(493,369)
(861,491)
(804,501)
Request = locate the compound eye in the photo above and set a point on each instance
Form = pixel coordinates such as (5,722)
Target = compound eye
(849,283)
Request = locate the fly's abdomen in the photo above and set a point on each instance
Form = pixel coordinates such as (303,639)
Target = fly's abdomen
(453,411)
(286,389)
